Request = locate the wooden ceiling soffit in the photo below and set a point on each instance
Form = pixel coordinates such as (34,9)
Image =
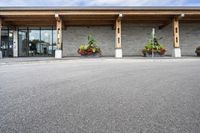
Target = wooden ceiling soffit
(170,21)
(118,18)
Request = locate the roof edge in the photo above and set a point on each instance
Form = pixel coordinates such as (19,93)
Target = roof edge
(99,8)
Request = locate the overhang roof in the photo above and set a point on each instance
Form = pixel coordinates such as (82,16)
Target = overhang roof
(114,8)
(89,16)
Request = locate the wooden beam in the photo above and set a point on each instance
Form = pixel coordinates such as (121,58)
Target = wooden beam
(119,17)
(118,34)
(175,24)
(97,12)
(58,32)
(179,17)
(57,16)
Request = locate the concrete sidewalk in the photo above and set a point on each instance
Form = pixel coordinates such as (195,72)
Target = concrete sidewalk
(52,59)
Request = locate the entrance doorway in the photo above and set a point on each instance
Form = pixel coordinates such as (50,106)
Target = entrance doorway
(23,42)
(36,41)
(7,42)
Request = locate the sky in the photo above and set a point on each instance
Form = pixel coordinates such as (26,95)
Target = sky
(99,2)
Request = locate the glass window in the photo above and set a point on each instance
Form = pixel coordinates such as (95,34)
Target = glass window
(6,45)
(34,43)
(54,40)
(4,42)
(22,28)
(34,28)
(4,28)
(23,43)
(46,42)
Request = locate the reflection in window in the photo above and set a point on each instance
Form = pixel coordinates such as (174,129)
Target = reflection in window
(35,41)
(54,40)
(22,43)
(46,42)
(4,39)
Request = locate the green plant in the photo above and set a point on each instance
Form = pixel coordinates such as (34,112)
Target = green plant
(153,46)
(91,40)
(90,48)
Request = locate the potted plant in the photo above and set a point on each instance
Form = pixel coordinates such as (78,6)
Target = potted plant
(90,49)
(197,51)
(153,47)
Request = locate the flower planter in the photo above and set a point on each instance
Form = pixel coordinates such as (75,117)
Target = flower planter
(96,55)
(90,49)
(153,48)
(155,54)
(197,52)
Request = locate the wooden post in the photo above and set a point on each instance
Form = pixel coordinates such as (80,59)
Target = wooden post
(118,44)
(58,52)
(176,39)
(118,38)
(58,32)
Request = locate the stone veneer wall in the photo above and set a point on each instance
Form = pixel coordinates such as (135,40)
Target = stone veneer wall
(134,38)
(189,38)
(74,36)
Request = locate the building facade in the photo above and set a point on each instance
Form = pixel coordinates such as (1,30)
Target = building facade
(119,31)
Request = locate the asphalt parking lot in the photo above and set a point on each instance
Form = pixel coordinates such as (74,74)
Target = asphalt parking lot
(100,96)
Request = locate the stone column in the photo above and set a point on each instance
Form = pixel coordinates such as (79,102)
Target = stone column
(176,40)
(118,45)
(58,52)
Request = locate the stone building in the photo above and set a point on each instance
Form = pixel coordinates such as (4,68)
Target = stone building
(119,31)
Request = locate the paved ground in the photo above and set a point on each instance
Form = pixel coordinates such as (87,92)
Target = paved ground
(101,96)
(49,59)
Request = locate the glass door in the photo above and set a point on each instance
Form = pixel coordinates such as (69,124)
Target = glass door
(10,44)
(35,47)
(7,43)
(23,47)
(36,41)
(46,43)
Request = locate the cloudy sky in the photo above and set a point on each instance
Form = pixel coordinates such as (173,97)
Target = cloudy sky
(99,2)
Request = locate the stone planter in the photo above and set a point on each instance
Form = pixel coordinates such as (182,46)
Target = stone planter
(95,55)
(198,53)
(155,54)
